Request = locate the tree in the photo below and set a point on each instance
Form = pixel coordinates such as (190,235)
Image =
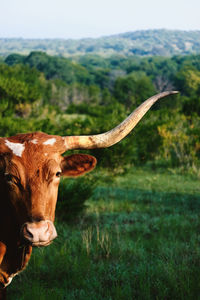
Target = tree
(187,80)
(131,91)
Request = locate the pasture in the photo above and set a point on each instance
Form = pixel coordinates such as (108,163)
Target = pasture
(138,239)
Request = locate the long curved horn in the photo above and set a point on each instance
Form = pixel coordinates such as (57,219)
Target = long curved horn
(116,134)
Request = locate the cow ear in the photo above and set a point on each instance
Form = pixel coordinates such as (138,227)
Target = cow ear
(77,164)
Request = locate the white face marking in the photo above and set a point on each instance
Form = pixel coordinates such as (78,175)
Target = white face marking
(34,141)
(50,141)
(16,148)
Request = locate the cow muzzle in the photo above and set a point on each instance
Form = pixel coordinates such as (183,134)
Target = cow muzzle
(40,233)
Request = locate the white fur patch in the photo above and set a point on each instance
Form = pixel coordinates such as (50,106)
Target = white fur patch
(35,141)
(50,142)
(16,148)
(9,280)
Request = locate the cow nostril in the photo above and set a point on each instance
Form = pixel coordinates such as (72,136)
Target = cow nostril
(27,233)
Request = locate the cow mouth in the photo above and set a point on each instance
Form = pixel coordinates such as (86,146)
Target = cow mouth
(38,234)
(41,244)
(25,242)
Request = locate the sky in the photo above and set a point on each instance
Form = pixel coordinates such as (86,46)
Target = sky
(90,18)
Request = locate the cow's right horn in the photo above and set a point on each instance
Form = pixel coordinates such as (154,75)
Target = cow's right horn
(115,135)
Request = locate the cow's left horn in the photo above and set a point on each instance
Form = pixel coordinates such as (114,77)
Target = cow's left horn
(116,134)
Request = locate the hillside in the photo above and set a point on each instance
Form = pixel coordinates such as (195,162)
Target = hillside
(142,43)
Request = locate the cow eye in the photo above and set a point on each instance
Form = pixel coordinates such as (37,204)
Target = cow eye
(58,174)
(11,178)
(8,177)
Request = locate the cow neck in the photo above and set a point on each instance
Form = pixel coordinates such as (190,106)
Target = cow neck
(14,261)
(16,254)
(8,224)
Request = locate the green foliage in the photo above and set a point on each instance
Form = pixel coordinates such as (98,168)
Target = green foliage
(130,90)
(180,141)
(53,67)
(20,84)
(73,193)
(187,80)
(14,59)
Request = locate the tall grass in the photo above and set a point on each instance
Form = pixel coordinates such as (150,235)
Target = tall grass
(139,239)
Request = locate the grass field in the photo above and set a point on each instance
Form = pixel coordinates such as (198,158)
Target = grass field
(139,239)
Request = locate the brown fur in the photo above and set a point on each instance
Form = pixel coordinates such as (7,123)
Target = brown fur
(28,192)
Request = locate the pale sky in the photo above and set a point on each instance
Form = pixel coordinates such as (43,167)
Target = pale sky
(91,18)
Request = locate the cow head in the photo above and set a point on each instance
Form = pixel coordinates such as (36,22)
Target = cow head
(30,169)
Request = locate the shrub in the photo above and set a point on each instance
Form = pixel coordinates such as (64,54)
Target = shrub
(180,141)
(73,193)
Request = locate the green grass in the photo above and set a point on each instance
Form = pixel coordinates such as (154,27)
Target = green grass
(139,239)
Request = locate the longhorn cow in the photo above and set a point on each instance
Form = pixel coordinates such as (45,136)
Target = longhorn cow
(30,169)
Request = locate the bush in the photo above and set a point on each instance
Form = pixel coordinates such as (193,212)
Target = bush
(180,141)
(73,193)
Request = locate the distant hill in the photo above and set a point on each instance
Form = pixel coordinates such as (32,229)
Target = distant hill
(142,43)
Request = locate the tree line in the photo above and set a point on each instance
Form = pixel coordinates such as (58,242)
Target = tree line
(142,42)
(91,94)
